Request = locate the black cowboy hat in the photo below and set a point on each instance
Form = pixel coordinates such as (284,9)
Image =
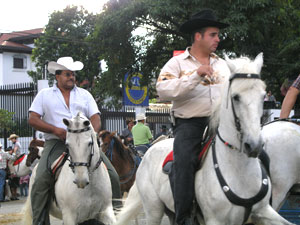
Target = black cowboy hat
(204,18)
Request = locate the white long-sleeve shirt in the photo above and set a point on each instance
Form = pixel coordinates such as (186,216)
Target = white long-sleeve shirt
(191,96)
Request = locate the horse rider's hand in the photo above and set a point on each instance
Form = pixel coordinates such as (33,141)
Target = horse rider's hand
(61,133)
(205,70)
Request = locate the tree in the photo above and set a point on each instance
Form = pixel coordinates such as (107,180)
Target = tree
(6,121)
(66,34)
(257,26)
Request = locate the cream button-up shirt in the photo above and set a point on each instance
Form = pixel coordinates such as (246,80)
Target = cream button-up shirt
(191,95)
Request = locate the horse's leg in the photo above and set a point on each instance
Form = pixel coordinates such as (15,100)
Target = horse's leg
(69,218)
(154,208)
(279,194)
(268,216)
(107,216)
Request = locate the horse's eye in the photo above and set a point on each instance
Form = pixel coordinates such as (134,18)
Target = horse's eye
(236,98)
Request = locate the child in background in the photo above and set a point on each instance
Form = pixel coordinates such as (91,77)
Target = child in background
(24,184)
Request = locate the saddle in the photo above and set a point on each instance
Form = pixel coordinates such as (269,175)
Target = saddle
(167,164)
(19,159)
(58,163)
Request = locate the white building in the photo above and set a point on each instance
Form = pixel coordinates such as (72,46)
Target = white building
(15,52)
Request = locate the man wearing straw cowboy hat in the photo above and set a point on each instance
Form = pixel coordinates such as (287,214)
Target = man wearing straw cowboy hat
(16,147)
(192,81)
(46,114)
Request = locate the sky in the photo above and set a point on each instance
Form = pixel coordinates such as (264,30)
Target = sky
(21,15)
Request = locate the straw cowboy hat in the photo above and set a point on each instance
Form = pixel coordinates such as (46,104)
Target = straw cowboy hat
(140,117)
(13,136)
(64,63)
(204,18)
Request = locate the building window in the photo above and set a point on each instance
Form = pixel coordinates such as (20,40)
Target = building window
(19,62)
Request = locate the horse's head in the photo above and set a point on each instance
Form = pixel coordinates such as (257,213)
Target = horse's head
(105,139)
(35,148)
(110,143)
(242,105)
(81,143)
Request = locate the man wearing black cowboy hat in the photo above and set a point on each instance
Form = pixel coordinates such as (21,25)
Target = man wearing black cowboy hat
(192,81)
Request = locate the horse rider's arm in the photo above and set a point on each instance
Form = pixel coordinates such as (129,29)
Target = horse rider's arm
(96,122)
(37,123)
(289,102)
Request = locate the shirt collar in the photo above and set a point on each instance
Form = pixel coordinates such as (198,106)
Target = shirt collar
(186,54)
(55,88)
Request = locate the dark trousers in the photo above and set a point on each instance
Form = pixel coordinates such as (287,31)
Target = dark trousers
(187,145)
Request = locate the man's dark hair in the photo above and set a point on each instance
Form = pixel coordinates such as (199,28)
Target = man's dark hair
(201,31)
(129,120)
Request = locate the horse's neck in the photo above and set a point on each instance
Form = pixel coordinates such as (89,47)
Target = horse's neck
(229,133)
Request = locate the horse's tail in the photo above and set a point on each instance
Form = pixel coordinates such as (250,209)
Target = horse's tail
(132,207)
(27,218)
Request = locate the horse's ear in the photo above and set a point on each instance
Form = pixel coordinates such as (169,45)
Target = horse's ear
(113,133)
(259,62)
(86,123)
(66,122)
(101,133)
(230,65)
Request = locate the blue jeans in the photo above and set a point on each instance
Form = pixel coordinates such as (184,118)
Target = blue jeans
(2,183)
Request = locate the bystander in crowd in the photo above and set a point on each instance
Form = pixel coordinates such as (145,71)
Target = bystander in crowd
(24,185)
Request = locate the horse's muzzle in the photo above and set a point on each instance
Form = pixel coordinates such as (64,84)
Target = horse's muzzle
(253,149)
(81,177)
(81,184)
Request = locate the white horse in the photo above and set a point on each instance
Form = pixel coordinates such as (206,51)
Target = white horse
(21,168)
(239,125)
(282,144)
(85,178)
(24,165)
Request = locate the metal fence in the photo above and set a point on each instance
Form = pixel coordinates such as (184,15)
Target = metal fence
(115,119)
(17,98)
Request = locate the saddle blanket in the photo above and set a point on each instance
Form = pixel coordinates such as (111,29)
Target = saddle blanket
(167,164)
(19,159)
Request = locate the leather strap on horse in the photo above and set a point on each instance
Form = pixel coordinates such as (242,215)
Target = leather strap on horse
(232,197)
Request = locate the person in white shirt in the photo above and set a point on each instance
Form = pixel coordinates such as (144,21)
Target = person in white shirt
(4,156)
(50,106)
(192,81)
(16,149)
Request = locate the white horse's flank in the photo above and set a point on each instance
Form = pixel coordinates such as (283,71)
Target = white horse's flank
(240,168)
(282,143)
(86,193)
(21,169)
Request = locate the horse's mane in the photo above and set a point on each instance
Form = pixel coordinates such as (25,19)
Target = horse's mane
(238,65)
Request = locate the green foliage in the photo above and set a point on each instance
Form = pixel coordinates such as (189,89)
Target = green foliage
(140,35)
(6,121)
(66,34)
(257,26)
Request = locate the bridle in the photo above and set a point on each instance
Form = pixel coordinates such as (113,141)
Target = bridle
(231,196)
(237,120)
(91,145)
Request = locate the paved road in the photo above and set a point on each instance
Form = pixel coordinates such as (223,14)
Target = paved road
(11,214)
